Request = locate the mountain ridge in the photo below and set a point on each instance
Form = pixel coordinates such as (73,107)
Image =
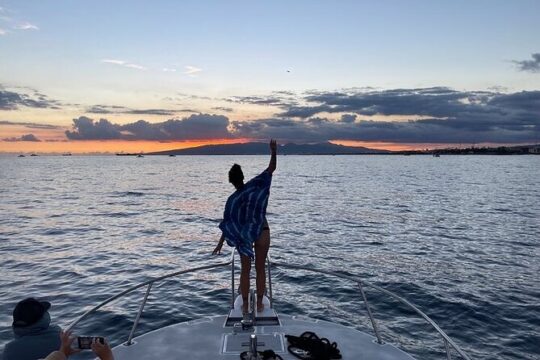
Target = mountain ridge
(259,148)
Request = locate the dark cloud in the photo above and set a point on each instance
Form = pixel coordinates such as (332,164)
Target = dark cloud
(143,130)
(528,101)
(183,96)
(10,100)
(30,125)
(112,109)
(223,108)
(529,65)
(85,128)
(151,112)
(27,137)
(283,129)
(104,109)
(196,126)
(486,115)
(305,111)
(287,93)
(414,131)
(256,100)
(348,118)
(437,101)
(436,115)
(277,98)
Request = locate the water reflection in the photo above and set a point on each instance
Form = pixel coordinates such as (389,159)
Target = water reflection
(458,237)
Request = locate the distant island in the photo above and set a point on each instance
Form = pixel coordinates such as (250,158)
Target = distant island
(257,148)
(499,150)
(327,148)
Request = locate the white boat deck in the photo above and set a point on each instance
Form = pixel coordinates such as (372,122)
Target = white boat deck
(206,339)
(215,338)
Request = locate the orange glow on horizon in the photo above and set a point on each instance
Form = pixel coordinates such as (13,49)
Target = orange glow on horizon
(140,146)
(392,146)
(106,146)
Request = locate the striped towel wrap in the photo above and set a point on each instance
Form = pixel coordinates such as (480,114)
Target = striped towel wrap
(245,214)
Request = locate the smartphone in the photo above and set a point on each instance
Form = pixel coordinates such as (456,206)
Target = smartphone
(85,342)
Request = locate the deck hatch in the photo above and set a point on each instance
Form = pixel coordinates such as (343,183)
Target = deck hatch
(237,343)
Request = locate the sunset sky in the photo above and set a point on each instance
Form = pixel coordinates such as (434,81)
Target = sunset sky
(110,76)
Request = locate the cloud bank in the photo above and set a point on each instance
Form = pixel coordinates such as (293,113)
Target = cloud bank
(194,127)
(532,66)
(30,125)
(418,115)
(435,115)
(11,100)
(114,109)
(27,137)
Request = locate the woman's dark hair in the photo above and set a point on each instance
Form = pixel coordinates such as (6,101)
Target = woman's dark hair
(236,176)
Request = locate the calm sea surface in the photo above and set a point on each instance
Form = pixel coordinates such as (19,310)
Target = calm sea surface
(457,236)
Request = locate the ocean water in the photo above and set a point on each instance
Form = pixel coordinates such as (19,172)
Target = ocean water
(457,235)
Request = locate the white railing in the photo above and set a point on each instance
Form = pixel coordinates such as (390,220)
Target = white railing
(448,342)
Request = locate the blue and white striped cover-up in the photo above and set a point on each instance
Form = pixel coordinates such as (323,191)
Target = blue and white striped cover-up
(245,214)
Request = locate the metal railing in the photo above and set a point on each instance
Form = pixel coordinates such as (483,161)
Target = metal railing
(448,342)
(149,284)
(362,283)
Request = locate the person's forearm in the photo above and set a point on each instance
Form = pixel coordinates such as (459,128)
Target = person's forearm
(273,162)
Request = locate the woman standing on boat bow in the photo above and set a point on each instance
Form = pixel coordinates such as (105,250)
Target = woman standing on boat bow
(244,225)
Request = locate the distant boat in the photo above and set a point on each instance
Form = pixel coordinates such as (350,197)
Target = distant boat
(21,155)
(66,154)
(33,155)
(129,154)
(172,155)
(436,155)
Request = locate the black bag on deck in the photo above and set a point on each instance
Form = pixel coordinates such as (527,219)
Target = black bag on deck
(308,346)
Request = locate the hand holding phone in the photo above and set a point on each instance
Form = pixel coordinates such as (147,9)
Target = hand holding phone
(85,342)
(65,346)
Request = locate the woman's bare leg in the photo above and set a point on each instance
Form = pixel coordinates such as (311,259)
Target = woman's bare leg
(244,281)
(261,250)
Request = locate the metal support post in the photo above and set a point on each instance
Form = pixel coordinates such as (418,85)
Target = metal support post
(141,308)
(373,323)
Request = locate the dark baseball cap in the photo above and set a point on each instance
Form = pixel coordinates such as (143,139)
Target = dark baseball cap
(29,311)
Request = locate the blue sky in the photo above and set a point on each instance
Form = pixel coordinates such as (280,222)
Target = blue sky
(138,53)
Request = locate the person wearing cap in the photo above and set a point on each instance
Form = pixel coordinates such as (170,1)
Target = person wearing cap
(35,337)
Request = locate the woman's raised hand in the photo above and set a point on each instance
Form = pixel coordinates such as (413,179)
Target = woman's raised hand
(273,145)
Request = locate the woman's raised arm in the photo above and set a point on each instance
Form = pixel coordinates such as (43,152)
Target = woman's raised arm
(273,157)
